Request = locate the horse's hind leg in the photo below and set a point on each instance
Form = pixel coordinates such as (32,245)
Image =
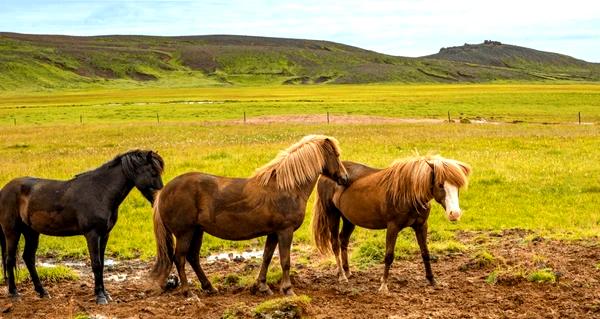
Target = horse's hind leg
(32,239)
(12,235)
(261,281)
(182,247)
(193,257)
(347,229)
(421,233)
(285,245)
(391,235)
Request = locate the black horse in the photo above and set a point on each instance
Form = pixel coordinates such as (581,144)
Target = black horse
(85,205)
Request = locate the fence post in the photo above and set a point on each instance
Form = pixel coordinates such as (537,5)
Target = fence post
(244,117)
(579,117)
(327,117)
(449,117)
(80,119)
(15,120)
(157,118)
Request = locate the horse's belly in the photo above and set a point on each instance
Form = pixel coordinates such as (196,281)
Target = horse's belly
(362,211)
(243,226)
(53,223)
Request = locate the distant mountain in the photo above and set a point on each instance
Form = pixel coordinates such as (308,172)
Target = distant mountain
(57,61)
(494,53)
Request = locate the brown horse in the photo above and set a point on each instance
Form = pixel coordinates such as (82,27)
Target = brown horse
(272,202)
(392,198)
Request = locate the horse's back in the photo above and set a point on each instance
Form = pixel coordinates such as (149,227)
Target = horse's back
(358,170)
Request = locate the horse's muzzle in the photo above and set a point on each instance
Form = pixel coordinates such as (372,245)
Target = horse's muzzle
(344,180)
(454,216)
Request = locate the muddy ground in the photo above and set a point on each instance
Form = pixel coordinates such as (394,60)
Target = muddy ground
(462,290)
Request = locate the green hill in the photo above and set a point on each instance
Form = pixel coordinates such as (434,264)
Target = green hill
(544,64)
(54,61)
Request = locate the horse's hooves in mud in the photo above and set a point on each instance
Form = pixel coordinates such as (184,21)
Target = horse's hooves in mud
(343,279)
(288,291)
(172,283)
(44,295)
(101,300)
(15,296)
(211,290)
(108,297)
(258,289)
(383,290)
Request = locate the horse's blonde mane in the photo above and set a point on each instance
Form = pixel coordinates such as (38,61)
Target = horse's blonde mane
(299,163)
(409,180)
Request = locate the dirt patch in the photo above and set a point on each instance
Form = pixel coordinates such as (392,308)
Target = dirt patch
(460,293)
(333,119)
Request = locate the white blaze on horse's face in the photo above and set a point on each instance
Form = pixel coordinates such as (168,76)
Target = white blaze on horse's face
(451,202)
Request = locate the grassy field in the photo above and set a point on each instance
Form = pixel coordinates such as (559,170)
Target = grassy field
(550,103)
(532,176)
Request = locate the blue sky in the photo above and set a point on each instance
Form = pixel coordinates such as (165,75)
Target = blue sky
(402,27)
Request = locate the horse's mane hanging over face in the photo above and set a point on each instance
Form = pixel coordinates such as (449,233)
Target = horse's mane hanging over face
(133,159)
(409,180)
(299,163)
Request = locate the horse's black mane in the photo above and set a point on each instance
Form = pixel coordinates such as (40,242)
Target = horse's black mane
(130,160)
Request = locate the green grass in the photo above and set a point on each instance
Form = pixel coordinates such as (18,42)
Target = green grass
(46,274)
(502,103)
(545,275)
(531,176)
(295,307)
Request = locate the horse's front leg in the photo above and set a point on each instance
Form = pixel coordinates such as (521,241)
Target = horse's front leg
(285,246)
(94,243)
(103,242)
(391,235)
(421,233)
(261,281)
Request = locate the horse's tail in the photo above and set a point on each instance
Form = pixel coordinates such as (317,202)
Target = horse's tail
(324,215)
(164,246)
(3,240)
(3,246)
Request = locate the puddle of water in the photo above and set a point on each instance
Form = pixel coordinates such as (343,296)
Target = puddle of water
(235,256)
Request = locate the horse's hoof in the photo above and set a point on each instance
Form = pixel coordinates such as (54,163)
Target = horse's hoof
(288,291)
(101,300)
(108,297)
(210,290)
(15,296)
(383,289)
(432,282)
(348,274)
(171,284)
(342,279)
(44,294)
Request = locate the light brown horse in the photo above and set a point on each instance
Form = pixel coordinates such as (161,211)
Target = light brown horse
(271,203)
(392,198)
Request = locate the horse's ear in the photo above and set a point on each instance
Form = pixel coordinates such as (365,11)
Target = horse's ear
(430,164)
(149,156)
(465,168)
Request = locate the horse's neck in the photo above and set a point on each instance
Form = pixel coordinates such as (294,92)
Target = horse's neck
(303,190)
(116,186)
(307,189)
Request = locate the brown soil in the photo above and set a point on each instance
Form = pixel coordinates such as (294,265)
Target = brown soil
(462,291)
(334,119)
